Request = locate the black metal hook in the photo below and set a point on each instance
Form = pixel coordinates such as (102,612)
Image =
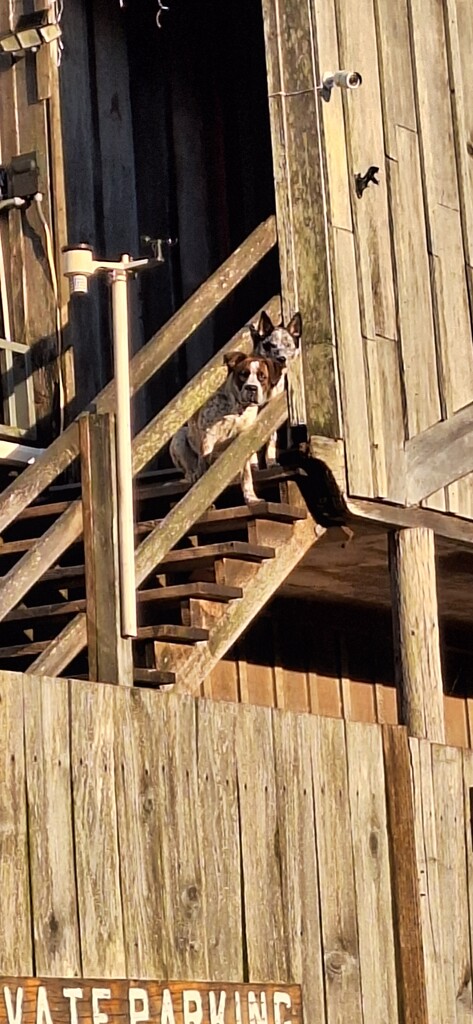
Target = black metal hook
(363,180)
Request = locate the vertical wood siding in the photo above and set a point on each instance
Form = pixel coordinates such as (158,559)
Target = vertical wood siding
(145,836)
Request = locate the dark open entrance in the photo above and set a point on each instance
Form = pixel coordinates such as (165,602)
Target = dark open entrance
(166,134)
(202,150)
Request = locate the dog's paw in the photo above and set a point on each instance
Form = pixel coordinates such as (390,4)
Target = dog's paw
(251,499)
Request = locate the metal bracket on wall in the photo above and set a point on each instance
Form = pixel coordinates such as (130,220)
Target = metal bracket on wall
(363,180)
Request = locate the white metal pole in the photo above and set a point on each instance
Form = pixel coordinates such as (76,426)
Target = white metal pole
(126,531)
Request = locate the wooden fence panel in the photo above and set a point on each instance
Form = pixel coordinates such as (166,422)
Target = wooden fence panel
(15,912)
(264,917)
(139,828)
(372,872)
(95,830)
(184,937)
(293,738)
(336,873)
(218,825)
(447,779)
(51,839)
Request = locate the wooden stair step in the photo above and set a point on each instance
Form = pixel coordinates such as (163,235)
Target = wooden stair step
(24,650)
(188,559)
(220,593)
(218,520)
(153,677)
(173,634)
(46,611)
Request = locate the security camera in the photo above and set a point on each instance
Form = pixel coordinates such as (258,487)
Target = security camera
(342,79)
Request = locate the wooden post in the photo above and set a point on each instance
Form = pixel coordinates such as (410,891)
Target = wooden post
(294,105)
(110,656)
(416,632)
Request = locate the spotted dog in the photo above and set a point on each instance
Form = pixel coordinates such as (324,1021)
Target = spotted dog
(281,344)
(231,410)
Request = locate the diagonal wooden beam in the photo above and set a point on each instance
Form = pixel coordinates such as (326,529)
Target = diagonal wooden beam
(268,578)
(439,456)
(22,491)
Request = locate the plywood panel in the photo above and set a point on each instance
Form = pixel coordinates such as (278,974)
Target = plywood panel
(51,840)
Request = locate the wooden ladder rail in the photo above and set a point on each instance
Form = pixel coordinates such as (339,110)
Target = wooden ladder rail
(148,443)
(65,449)
(72,640)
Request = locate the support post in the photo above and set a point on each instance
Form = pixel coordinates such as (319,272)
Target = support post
(417,660)
(126,549)
(110,655)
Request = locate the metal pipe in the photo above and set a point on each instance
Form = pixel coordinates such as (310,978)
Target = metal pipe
(126,532)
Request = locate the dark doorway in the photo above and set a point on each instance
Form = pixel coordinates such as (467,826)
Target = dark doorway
(202,153)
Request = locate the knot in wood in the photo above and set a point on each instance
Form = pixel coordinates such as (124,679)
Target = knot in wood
(338,962)
(191,897)
(374,843)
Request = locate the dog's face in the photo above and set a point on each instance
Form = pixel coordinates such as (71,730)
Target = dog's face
(252,378)
(279,343)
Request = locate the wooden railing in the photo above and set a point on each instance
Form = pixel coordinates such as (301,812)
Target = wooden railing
(155,435)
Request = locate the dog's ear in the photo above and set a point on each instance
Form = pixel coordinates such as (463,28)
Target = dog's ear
(231,360)
(294,328)
(265,326)
(275,371)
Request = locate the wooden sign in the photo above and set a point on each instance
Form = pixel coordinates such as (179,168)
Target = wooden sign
(74,1001)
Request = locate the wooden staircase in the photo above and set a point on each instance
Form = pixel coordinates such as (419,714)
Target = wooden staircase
(202,573)
(203,594)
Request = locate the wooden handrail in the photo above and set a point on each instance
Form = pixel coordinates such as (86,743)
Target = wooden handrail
(68,528)
(59,653)
(62,452)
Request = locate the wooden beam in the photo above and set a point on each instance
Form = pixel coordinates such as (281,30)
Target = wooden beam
(418,668)
(301,210)
(269,576)
(143,366)
(60,651)
(410,969)
(110,655)
(440,455)
(395,516)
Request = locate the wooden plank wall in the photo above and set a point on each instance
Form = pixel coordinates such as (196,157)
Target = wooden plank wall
(334,692)
(151,836)
(402,254)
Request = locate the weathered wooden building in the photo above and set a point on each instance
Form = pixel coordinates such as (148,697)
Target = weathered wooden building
(310,821)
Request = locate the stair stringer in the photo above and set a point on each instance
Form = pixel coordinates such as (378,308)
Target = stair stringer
(191,671)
